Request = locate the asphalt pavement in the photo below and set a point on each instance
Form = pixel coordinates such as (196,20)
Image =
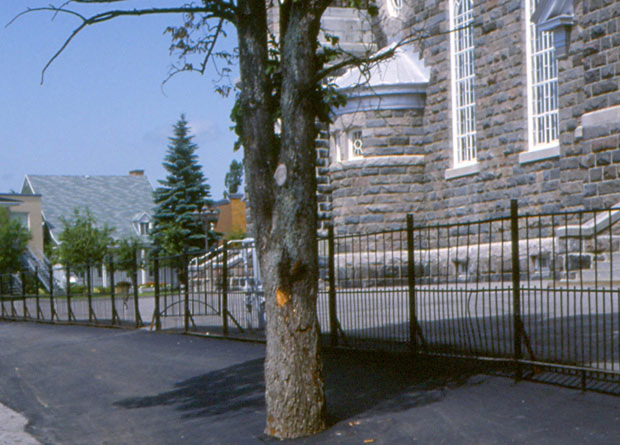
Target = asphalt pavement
(82,385)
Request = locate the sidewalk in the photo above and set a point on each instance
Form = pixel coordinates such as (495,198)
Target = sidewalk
(78,385)
(12,426)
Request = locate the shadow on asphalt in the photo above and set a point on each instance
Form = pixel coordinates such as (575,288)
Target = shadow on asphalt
(220,392)
(355,383)
(359,382)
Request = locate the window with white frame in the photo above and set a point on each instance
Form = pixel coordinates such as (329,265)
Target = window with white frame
(463,76)
(542,80)
(349,145)
(356,144)
(144,228)
(394,7)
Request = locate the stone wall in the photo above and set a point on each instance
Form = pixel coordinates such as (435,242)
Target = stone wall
(581,174)
(377,192)
(595,47)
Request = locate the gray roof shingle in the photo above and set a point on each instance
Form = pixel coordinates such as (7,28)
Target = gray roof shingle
(112,200)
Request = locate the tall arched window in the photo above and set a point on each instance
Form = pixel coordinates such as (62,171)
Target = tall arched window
(542,81)
(463,82)
(394,7)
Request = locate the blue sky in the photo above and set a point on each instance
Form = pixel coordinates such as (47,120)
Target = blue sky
(102,109)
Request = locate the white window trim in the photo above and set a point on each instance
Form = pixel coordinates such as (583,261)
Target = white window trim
(457,162)
(337,141)
(394,7)
(550,146)
(343,143)
(352,136)
(539,154)
(465,170)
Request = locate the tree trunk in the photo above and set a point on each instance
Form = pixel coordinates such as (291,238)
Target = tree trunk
(282,189)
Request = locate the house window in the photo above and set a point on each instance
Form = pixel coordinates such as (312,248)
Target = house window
(22,217)
(463,74)
(144,228)
(542,80)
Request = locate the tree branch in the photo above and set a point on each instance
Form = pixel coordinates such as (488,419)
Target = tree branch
(223,11)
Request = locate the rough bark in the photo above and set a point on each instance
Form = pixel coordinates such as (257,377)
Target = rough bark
(282,188)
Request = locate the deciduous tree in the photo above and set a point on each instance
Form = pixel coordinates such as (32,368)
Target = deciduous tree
(282,77)
(14,237)
(82,242)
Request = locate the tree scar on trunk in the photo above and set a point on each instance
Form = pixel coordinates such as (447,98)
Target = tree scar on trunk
(282,297)
(287,278)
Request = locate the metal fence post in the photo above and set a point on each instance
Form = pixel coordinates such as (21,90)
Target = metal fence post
(413,318)
(2,311)
(52,309)
(186,293)
(225,287)
(24,307)
(516,280)
(12,296)
(156,315)
(36,291)
(115,316)
(89,293)
(333,308)
(70,315)
(134,279)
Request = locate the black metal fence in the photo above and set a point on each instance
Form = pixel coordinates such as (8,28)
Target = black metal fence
(537,292)
(214,291)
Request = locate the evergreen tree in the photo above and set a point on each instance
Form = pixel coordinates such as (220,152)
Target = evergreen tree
(234,177)
(176,227)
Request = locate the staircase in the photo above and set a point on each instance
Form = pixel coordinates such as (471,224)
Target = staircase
(40,265)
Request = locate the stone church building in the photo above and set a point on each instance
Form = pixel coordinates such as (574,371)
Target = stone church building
(490,101)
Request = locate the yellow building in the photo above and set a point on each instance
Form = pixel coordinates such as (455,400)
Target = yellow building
(231,219)
(26,209)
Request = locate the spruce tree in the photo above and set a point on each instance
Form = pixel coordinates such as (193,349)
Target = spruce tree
(176,227)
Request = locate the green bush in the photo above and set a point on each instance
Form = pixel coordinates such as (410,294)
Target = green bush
(78,289)
(101,290)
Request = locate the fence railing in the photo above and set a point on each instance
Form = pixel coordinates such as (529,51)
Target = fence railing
(534,291)
(217,291)
(537,291)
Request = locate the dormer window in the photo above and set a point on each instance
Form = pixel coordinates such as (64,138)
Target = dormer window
(142,224)
(144,228)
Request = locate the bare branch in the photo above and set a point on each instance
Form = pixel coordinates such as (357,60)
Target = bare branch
(47,9)
(217,33)
(224,11)
(62,48)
